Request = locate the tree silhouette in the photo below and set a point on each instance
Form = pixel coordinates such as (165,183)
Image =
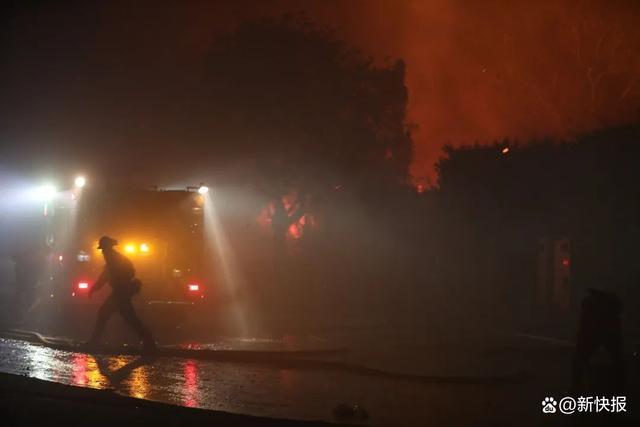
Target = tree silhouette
(501,204)
(311,114)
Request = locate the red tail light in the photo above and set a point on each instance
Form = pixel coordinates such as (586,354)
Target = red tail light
(83,285)
(194,287)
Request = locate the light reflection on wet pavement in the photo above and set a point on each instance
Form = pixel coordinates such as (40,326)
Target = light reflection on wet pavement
(240,388)
(263,390)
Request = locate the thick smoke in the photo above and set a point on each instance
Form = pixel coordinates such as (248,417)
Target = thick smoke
(476,71)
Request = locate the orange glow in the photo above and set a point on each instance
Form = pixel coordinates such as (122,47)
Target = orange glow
(295,230)
(505,150)
(138,380)
(144,248)
(130,248)
(140,383)
(474,71)
(94,377)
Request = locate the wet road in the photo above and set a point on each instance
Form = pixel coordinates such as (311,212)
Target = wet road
(247,389)
(289,393)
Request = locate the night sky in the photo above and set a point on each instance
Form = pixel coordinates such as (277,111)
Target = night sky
(81,79)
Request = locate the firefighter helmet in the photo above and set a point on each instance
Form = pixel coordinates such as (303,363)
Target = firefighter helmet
(106,242)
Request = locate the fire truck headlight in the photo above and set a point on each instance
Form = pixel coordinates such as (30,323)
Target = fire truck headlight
(144,248)
(130,249)
(80,181)
(45,192)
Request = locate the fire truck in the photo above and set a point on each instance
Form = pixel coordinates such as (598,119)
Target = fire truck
(160,231)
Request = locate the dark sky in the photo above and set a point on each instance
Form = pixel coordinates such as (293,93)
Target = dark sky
(77,77)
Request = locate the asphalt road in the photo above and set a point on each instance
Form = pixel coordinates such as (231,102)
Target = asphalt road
(300,393)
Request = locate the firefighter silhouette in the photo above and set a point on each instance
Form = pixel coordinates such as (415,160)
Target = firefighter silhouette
(599,328)
(120,274)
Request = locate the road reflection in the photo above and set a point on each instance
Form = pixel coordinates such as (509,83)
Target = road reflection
(86,372)
(127,374)
(247,388)
(191,390)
